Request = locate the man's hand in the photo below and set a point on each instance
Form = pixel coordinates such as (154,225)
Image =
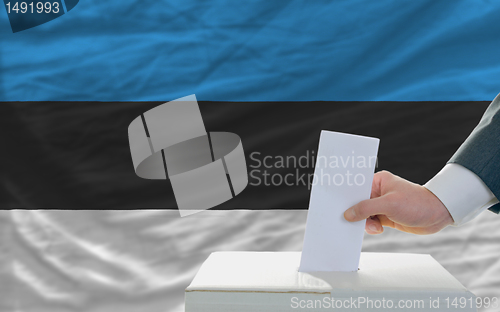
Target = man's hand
(400,204)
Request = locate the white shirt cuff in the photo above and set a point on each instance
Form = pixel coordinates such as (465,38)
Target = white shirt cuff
(462,192)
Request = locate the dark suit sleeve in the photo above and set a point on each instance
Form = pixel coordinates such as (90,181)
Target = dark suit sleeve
(480,153)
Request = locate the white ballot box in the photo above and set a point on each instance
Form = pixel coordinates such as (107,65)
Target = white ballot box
(271,282)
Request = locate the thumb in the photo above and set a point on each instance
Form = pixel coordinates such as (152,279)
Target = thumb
(367,208)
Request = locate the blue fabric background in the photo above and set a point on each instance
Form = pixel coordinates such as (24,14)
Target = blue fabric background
(124,50)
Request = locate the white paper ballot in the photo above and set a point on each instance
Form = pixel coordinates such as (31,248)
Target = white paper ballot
(343,176)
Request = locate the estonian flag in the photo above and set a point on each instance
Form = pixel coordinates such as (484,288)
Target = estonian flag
(416,74)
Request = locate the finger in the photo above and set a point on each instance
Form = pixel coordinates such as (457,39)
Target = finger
(369,207)
(376,192)
(373,226)
(386,221)
(379,180)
